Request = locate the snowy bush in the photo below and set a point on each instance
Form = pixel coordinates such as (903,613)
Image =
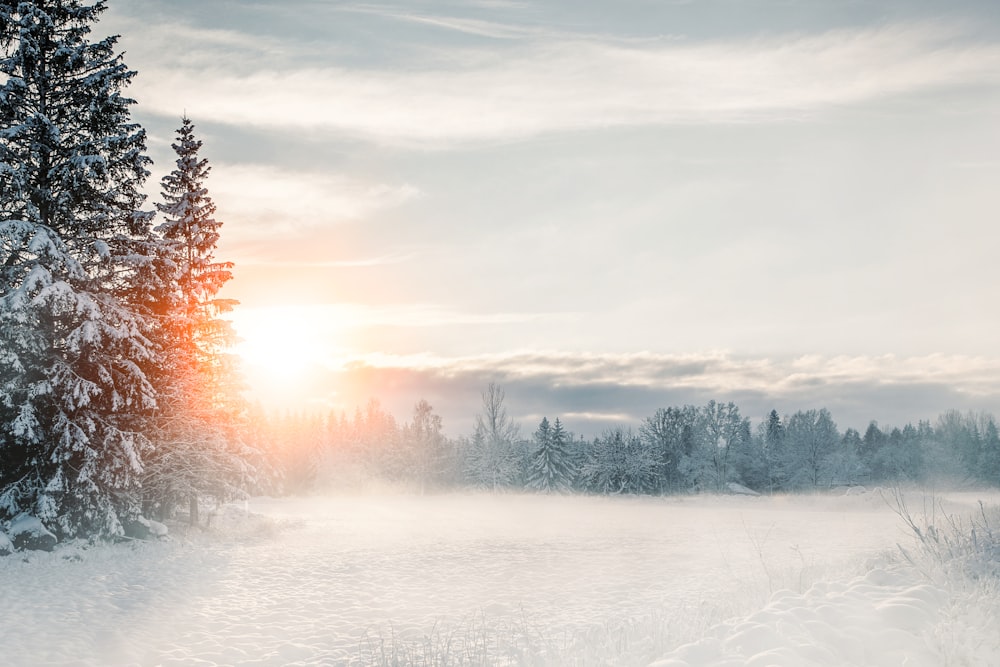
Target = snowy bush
(956,544)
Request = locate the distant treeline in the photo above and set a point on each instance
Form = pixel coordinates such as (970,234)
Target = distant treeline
(676,450)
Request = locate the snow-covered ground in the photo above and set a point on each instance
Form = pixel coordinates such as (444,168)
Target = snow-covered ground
(568,580)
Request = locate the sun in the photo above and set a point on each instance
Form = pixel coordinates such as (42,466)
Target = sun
(281,349)
(284,349)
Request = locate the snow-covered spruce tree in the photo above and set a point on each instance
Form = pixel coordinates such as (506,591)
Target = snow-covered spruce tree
(774,455)
(73,242)
(550,467)
(199,452)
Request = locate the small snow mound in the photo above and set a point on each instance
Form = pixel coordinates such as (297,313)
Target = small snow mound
(158,529)
(780,596)
(27,532)
(905,614)
(927,594)
(6,546)
(141,528)
(779,657)
(25,523)
(855,491)
(740,490)
(701,652)
(155,528)
(753,639)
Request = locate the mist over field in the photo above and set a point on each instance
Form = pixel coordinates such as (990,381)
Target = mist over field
(468,578)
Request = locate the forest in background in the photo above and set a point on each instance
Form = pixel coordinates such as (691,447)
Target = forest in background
(682,449)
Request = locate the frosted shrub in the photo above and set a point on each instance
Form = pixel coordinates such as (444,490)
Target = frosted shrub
(968,545)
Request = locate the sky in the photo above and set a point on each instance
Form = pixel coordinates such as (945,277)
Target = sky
(604,207)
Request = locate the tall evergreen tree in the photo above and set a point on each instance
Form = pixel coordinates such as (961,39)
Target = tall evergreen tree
(192,234)
(871,444)
(200,451)
(550,468)
(774,451)
(73,245)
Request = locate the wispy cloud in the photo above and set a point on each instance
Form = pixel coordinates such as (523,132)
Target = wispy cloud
(566,84)
(469,26)
(496,4)
(265,199)
(154,31)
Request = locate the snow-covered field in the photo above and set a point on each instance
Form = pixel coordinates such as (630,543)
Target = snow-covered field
(506,579)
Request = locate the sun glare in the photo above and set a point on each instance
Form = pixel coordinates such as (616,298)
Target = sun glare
(282,348)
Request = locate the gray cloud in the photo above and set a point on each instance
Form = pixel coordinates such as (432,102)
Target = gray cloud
(589,392)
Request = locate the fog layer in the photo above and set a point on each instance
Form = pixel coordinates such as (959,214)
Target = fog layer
(319,579)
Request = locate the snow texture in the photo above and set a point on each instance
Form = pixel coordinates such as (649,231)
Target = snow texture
(701,581)
(882,618)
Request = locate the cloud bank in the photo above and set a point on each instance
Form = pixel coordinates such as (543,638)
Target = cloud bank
(591,391)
